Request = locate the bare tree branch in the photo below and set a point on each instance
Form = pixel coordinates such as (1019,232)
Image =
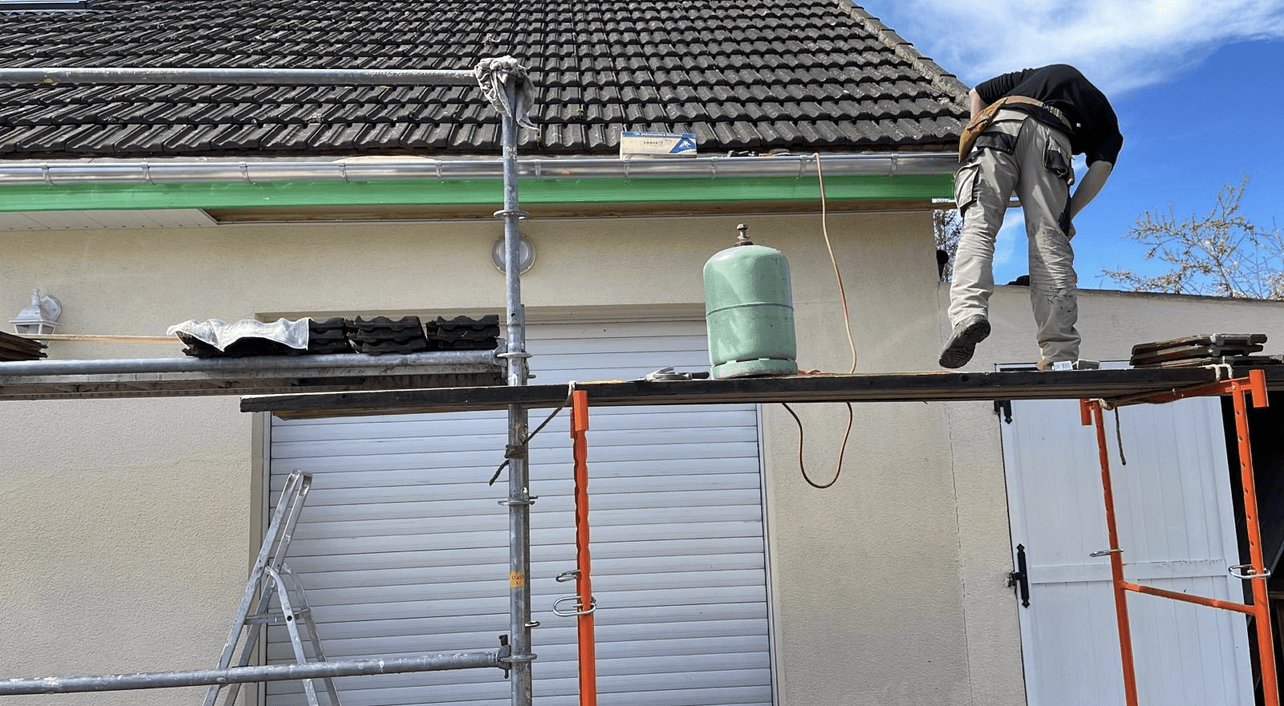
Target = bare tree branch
(947,226)
(1222,254)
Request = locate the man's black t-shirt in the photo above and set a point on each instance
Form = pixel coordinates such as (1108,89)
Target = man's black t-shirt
(1096,128)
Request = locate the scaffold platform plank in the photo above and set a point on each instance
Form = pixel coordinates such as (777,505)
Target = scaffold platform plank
(874,387)
(261,375)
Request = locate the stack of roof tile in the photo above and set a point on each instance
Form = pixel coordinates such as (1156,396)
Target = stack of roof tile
(328,336)
(18,348)
(324,337)
(463,333)
(1193,351)
(240,348)
(742,75)
(382,335)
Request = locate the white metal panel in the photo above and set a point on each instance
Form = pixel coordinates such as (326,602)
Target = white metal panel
(403,548)
(104,219)
(1176,527)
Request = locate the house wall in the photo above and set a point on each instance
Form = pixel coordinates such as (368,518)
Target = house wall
(130,521)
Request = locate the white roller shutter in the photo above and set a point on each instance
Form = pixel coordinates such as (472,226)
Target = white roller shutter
(403,547)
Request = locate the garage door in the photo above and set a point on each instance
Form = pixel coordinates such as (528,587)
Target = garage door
(1176,528)
(403,547)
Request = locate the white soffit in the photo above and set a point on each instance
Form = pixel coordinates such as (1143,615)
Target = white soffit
(105,219)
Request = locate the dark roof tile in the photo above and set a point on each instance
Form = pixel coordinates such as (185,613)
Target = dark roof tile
(741,74)
(385,135)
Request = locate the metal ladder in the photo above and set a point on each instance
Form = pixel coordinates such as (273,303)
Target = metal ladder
(272,577)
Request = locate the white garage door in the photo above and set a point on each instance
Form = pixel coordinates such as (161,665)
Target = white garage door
(403,548)
(1177,529)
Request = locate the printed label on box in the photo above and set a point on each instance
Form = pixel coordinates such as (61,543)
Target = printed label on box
(669,144)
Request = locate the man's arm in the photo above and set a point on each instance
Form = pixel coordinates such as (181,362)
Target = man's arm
(975,103)
(1090,185)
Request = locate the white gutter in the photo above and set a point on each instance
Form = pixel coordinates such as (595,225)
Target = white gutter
(56,173)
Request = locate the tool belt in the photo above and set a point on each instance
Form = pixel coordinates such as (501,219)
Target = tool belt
(985,118)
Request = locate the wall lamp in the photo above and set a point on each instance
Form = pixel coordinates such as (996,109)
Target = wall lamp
(39,318)
(525,254)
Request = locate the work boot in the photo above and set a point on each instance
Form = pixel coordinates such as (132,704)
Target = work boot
(969,332)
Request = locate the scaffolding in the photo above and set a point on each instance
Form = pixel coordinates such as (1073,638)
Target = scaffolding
(81,379)
(503,81)
(1255,572)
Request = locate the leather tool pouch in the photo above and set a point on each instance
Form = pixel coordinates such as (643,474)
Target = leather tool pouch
(974,129)
(986,117)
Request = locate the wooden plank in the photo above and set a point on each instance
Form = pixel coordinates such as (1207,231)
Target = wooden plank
(914,386)
(65,387)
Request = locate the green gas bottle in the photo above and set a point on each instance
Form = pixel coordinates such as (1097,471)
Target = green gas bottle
(749,311)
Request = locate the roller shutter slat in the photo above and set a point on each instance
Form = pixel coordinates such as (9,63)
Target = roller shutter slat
(404,550)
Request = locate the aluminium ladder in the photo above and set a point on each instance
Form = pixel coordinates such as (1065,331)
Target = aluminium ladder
(272,577)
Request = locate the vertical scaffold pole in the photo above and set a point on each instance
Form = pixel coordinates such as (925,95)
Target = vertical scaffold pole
(519,497)
(1090,413)
(583,578)
(1261,598)
(1255,571)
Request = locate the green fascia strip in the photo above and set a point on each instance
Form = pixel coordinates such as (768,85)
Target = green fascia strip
(221,195)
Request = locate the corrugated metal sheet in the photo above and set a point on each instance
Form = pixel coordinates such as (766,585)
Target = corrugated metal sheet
(403,547)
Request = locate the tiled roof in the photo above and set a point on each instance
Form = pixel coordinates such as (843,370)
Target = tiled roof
(743,75)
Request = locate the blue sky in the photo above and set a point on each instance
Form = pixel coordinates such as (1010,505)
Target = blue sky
(1198,86)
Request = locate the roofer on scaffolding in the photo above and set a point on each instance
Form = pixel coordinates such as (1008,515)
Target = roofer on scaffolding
(1024,127)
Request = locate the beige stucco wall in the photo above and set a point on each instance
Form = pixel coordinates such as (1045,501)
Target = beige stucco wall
(129,523)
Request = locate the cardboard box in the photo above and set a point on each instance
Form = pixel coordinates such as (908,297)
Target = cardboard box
(657,144)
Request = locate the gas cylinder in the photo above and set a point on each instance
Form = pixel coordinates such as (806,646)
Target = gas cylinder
(749,311)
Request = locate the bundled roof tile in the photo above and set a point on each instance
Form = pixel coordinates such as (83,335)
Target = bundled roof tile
(240,348)
(382,335)
(328,336)
(1219,348)
(463,333)
(743,75)
(19,348)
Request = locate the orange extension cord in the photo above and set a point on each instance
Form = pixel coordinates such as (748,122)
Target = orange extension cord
(842,293)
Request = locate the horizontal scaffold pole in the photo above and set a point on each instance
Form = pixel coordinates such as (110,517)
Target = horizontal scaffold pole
(283,77)
(464,361)
(237,675)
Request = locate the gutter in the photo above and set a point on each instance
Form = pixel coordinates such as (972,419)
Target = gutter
(56,173)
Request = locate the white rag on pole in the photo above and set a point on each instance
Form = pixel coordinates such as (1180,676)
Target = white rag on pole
(494,74)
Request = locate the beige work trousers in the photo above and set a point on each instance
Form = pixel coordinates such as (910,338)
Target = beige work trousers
(1018,154)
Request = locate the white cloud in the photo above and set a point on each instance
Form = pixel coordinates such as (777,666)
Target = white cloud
(1118,44)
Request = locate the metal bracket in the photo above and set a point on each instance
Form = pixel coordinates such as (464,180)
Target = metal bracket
(1003,408)
(506,658)
(1019,580)
(579,609)
(1244,572)
(567,575)
(505,651)
(530,499)
(1106,552)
